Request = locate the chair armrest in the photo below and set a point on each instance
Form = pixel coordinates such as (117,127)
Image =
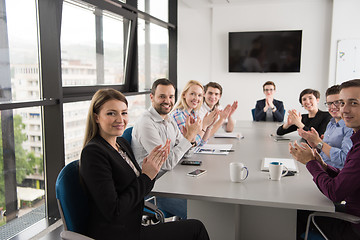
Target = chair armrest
(68,235)
(151,206)
(339,215)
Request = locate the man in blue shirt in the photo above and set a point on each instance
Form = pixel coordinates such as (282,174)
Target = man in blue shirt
(336,143)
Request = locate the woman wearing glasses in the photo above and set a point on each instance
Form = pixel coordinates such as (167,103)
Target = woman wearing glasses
(336,143)
(269,109)
(309,99)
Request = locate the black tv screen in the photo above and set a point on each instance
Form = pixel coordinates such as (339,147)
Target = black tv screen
(270,51)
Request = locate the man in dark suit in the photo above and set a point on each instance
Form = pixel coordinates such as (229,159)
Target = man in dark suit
(269,109)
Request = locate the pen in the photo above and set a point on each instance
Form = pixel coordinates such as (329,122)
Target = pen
(228,150)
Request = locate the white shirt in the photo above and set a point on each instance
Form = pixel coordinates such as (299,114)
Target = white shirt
(206,109)
(152,130)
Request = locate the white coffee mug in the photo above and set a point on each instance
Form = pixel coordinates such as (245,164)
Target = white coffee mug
(238,172)
(276,169)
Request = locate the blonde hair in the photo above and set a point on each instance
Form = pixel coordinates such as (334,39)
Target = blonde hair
(181,104)
(97,101)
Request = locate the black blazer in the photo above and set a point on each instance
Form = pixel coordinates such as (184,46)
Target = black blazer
(116,195)
(278,115)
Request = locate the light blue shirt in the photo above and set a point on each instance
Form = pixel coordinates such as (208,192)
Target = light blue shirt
(337,135)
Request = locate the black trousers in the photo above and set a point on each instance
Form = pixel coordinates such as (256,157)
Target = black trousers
(179,230)
(334,229)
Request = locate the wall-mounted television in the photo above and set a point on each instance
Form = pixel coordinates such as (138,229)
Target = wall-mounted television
(267,51)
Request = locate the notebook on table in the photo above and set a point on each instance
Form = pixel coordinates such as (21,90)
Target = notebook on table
(290,163)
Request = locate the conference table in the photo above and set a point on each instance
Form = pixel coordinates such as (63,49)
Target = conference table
(256,208)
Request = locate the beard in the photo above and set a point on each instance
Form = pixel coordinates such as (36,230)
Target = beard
(161,110)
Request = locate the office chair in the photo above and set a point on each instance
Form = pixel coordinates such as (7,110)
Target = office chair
(128,134)
(253,113)
(338,215)
(73,204)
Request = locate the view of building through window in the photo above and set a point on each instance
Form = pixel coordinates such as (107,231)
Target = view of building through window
(21,158)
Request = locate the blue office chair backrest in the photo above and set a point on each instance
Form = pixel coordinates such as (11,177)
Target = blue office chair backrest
(253,113)
(128,134)
(72,199)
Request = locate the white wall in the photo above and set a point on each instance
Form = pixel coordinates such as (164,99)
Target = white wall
(203,46)
(194,44)
(346,25)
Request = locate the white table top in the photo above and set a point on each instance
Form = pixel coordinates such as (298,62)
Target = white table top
(292,192)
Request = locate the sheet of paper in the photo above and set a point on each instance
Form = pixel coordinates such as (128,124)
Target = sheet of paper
(222,149)
(288,162)
(237,135)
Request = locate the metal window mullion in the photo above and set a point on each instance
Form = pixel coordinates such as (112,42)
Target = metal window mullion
(147,49)
(173,4)
(100,73)
(49,28)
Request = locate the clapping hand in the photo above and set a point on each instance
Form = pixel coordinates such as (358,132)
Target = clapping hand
(269,101)
(153,162)
(192,128)
(303,153)
(312,136)
(294,118)
(233,108)
(210,118)
(224,114)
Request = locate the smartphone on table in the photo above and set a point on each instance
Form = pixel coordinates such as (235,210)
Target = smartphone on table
(191,162)
(196,172)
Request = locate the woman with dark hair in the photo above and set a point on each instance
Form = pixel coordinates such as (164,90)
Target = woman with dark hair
(115,183)
(269,109)
(309,99)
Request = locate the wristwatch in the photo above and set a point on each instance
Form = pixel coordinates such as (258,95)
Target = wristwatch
(319,146)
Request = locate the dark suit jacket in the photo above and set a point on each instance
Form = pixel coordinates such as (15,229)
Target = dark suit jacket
(116,195)
(278,115)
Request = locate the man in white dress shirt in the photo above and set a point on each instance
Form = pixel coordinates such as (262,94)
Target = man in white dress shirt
(213,93)
(154,127)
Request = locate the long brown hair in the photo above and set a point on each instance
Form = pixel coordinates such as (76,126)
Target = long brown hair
(97,101)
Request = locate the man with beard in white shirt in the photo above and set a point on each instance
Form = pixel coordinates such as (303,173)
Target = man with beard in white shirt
(154,127)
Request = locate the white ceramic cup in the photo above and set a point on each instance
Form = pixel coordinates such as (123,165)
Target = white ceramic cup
(238,172)
(276,169)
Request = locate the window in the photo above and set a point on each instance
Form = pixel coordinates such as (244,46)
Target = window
(94,45)
(78,50)
(158,8)
(74,129)
(22,193)
(153,53)
(114,49)
(19,62)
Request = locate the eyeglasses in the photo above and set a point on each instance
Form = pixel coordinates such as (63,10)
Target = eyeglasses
(336,104)
(268,90)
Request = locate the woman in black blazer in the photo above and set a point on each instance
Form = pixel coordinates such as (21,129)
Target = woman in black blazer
(269,109)
(309,99)
(115,183)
